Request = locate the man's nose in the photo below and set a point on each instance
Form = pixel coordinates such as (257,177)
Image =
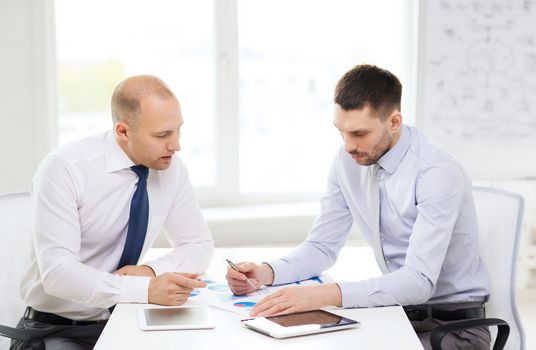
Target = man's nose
(349,144)
(175,145)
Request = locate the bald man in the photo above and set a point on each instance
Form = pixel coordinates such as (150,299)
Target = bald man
(99,204)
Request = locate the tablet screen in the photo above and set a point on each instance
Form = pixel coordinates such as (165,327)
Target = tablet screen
(300,323)
(321,317)
(175,316)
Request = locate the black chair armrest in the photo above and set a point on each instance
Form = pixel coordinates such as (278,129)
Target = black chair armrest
(18,334)
(503,330)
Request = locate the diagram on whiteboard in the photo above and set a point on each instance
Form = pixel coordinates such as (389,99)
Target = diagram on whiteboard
(478,81)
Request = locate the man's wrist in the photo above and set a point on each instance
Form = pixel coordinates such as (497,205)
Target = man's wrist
(268,274)
(335,294)
(150,269)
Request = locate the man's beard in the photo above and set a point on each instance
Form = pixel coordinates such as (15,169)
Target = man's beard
(379,150)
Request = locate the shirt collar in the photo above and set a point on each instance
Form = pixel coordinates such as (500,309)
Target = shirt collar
(390,160)
(115,158)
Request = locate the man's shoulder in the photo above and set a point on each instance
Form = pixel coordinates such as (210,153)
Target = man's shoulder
(77,157)
(83,149)
(428,153)
(437,174)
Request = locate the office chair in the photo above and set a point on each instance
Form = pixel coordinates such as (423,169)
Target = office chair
(499,215)
(16,244)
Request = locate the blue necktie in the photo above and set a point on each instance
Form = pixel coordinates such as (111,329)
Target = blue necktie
(137,222)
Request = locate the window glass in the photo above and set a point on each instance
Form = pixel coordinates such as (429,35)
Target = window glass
(101,42)
(291,55)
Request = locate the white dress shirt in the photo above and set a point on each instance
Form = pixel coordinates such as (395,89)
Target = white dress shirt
(428,229)
(81,204)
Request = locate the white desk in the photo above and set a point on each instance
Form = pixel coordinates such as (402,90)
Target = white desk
(381,328)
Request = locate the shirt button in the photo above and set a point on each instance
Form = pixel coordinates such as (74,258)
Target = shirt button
(388,261)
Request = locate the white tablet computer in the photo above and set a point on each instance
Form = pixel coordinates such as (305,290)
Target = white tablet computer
(300,323)
(176,317)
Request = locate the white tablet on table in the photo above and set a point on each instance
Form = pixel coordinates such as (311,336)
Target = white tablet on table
(300,323)
(176,317)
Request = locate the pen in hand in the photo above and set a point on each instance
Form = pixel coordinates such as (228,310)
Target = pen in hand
(233,266)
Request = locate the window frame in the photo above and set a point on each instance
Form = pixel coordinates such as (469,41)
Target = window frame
(226,190)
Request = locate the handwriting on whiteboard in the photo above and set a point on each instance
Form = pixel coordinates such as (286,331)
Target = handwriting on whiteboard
(480,69)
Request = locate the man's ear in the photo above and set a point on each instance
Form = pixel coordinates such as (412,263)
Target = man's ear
(395,121)
(122,131)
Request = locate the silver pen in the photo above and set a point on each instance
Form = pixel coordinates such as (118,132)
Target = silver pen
(233,266)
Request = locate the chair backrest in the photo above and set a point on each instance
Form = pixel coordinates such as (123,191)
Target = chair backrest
(15,248)
(499,215)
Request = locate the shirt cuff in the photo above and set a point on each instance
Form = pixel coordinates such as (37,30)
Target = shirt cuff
(283,271)
(135,289)
(354,294)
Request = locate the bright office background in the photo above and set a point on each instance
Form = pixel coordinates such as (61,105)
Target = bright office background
(255,80)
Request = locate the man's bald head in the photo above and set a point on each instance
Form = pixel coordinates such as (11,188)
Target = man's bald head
(128,94)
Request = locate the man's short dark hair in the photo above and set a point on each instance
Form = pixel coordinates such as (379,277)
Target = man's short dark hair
(368,85)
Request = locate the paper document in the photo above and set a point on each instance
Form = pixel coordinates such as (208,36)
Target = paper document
(219,295)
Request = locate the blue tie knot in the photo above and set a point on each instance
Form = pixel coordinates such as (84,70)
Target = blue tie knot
(141,170)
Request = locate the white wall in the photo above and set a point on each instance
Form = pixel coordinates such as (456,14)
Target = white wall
(27,83)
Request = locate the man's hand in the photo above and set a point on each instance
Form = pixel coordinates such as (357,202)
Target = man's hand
(298,298)
(258,274)
(173,288)
(133,270)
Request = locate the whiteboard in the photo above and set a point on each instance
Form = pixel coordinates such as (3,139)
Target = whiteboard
(477,84)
